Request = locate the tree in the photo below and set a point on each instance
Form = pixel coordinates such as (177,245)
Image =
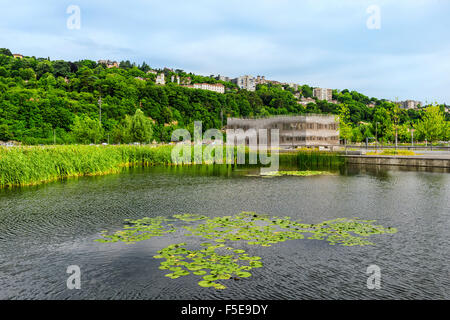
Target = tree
(383,124)
(44,67)
(357,135)
(5,134)
(6,52)
(432,126)
(136,128)
(307,91)
(87,130)
(404,132)
(141,127)
(27,74)
(395,120)
(366,130)
(345,128)
(61,68)
(447,131)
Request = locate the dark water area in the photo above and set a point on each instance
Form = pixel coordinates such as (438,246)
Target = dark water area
(45,229)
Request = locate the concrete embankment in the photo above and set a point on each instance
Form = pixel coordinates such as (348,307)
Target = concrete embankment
(430,161)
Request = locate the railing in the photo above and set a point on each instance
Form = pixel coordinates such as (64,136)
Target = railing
(401,147)
(323,115)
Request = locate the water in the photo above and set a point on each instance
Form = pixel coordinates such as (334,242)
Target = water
(45,229)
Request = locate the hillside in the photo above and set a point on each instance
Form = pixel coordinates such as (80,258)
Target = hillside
(44,101)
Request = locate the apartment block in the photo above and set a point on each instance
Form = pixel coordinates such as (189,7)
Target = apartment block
(323,94)
(410,104)
(246,82)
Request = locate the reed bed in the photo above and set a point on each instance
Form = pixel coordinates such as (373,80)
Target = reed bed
(21,166)
(319,160)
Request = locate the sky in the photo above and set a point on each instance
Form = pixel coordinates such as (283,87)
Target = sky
(398,49)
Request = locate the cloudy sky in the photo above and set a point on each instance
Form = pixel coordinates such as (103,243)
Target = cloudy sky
(317,42)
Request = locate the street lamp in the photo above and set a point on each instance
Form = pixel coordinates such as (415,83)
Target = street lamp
(412,137)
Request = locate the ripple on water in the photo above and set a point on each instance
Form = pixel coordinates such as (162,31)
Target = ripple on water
(47,228)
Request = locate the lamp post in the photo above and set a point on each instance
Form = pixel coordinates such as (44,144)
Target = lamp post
(412,137)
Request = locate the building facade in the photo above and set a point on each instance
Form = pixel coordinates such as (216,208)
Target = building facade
(410,104)
(304,101)
(246,82)
(323,94)
(215,87)
(160,79)
(294,131)
(108,63)
(223,78)
(175,79)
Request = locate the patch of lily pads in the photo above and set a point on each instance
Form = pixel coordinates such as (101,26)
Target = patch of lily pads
(218,259)
(208,263)
(305,173)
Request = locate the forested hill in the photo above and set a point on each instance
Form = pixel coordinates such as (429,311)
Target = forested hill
(42,100)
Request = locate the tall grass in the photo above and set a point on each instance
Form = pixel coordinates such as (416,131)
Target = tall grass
(318,160)
(33,165)
(20,166)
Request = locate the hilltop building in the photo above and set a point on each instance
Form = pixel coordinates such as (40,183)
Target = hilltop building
(294,131)
(17,55)
(410,104)
(246,82)
(261,80)
(223,78)
(215,87)
(294,86)
(304,101)
(323,94)
(177,78)
(160,79)
(108,63)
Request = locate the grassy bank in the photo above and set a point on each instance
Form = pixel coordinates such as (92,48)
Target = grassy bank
(33,165)
(21,166)
(392,153)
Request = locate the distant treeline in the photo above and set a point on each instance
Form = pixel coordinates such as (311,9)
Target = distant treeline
(46,102)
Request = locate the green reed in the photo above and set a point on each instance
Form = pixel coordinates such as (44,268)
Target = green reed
(21,166)
(33,165)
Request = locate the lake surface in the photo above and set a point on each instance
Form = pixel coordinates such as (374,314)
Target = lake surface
(45,229)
